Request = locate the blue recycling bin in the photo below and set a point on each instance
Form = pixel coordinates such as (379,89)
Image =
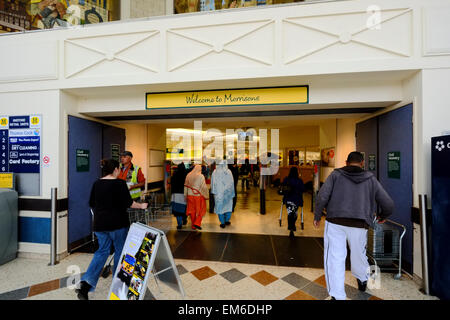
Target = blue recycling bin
(9,216)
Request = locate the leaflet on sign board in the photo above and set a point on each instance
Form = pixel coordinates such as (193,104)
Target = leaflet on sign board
(136,262)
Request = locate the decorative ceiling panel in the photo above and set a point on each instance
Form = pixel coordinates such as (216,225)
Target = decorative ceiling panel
(119,54)
(245,44)
(348,36)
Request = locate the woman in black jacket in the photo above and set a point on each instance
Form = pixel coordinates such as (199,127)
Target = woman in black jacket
(293,197)
(109,201)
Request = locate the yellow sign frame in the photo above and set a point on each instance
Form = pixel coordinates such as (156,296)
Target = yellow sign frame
(228,98)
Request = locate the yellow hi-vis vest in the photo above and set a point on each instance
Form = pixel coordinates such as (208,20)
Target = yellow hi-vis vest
(136,192)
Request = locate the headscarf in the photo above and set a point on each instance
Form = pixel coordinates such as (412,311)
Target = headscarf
(193,175)
(196,181)
(222,186)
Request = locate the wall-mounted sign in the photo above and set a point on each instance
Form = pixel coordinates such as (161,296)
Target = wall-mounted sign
(372,162)
(393,165)
(6,180)
(82,160)
(115,151)
(174,150)
(293,156)
(227,98)
(20,144)
(327,157)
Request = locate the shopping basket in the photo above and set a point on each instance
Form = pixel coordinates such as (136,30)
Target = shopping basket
(384,245)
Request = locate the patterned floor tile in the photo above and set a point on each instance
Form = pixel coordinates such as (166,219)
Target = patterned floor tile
(321,281)
(264,278)
(233,275)
(296,280)
(317,291)
(43,287)
(15,294)
(300,295)
(181,270)
(355,294)
(203,273)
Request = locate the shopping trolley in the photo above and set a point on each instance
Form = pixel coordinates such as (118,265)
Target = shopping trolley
(134,215)
(384,245)
(281,215)
(139,215)
(157,206)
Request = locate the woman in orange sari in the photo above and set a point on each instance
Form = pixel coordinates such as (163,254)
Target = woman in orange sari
(196,191)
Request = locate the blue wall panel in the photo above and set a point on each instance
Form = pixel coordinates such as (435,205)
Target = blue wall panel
(35,230)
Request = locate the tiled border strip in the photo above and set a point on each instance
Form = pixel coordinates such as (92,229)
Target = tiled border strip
(307,290)
(36,289)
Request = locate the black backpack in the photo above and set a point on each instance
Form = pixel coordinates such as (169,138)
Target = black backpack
(285,189)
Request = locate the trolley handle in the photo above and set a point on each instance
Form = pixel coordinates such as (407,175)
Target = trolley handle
(398,225)
(394,223)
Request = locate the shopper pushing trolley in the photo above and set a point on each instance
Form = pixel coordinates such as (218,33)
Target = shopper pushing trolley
(350,196)
(109,200)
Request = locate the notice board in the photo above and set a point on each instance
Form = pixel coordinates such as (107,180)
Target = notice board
(20,151)
(393,159)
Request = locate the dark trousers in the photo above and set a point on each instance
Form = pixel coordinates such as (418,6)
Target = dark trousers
(292,211)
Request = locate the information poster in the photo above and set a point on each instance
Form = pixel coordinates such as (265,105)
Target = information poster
(136,263)
(115,152)
(372,162)
(20,144)
(327,157)
(393,164)
(82,160)
(294,158)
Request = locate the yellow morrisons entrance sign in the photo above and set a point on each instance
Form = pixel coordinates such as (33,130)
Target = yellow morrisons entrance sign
(227,98)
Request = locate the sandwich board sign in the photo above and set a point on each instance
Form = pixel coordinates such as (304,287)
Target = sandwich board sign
(146,254)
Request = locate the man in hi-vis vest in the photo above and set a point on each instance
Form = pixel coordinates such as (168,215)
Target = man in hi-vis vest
(132,174)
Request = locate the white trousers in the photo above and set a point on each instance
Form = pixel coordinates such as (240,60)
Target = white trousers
(335,253)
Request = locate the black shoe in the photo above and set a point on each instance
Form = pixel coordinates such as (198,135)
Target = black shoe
(197,227)
(362,285)
(228,223)
(222,225)
(82,293)
(333,298)
(291,234)
(179,227)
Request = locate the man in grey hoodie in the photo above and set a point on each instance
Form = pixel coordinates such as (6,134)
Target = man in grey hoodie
(350,196)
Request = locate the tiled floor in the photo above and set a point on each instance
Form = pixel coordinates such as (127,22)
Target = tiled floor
(216,280)
(247,248)
(247,219)
(251,259)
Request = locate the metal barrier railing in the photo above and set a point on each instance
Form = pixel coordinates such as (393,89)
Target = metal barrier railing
(53,226)
(424,242)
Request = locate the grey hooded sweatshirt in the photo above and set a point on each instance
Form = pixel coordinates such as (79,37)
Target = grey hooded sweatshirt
(350,196)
